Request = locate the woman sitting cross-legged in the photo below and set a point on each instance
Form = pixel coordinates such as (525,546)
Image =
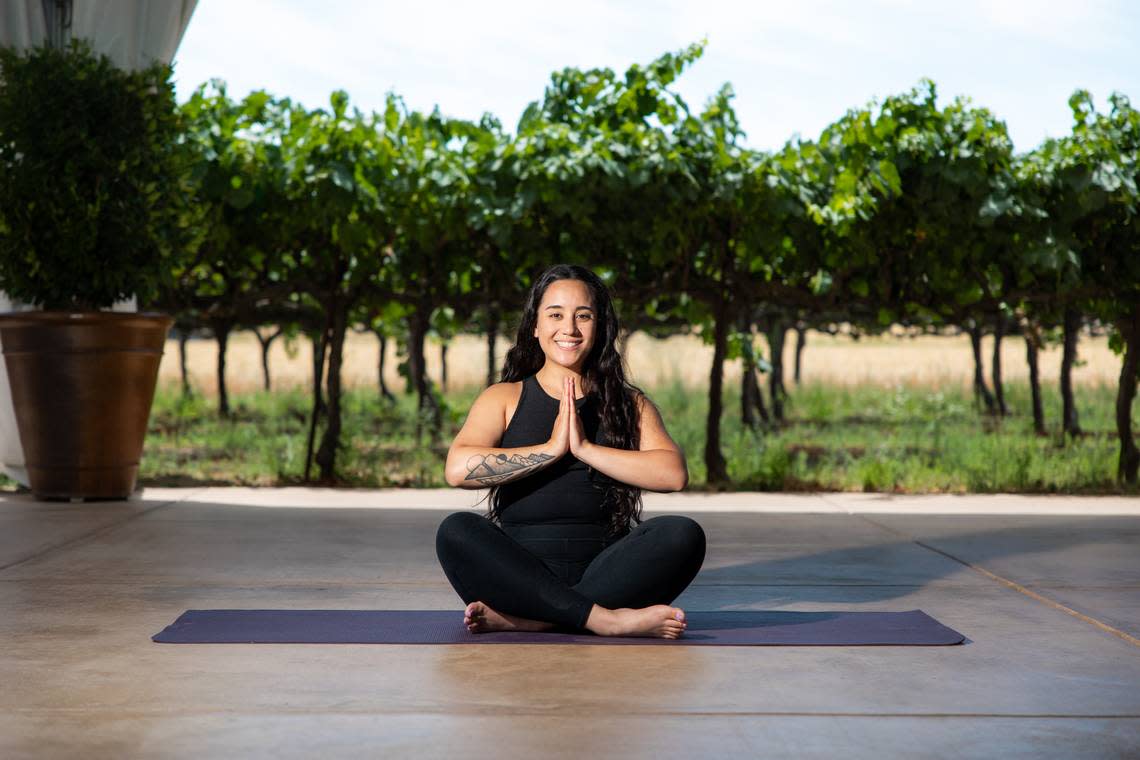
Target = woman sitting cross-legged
(566,446)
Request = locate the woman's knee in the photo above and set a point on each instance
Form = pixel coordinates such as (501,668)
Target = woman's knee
(455,529)
(684,534)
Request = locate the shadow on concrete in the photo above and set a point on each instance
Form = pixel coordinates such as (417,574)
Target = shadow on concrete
(893,569)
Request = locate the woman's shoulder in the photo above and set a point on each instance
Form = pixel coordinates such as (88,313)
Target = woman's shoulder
(505,390)
(506,397)
(488,417)
(647,410)
(637,396)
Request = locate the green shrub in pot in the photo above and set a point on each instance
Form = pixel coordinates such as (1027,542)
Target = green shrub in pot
(95,207)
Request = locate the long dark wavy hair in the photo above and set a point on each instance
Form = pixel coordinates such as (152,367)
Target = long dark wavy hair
(617,398)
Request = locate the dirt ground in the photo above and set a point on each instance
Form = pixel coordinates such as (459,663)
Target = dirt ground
(928,361)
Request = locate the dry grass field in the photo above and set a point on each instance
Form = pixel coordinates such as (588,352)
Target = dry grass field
(926,361)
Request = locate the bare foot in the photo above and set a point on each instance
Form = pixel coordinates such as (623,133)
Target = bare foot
(658,621)
(481,618)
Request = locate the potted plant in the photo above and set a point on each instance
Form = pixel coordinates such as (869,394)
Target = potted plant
(94,209)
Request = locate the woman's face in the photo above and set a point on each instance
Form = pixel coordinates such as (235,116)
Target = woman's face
(566,322)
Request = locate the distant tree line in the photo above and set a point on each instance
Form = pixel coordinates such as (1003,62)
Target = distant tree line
(316,222)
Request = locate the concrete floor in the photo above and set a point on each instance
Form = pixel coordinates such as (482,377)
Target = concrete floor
(1047,591)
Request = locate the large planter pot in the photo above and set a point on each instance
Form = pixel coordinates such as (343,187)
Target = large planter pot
(82,386)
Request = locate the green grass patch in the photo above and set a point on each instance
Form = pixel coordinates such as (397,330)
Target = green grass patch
(904,440)
(263,441)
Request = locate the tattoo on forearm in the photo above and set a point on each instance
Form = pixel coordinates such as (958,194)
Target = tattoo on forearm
(492,469)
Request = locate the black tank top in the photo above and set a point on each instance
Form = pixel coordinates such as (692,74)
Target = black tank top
(566,491)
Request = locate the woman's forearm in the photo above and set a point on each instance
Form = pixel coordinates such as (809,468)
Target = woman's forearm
(483,467)
(652,470)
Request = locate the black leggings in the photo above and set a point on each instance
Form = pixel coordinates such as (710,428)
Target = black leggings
(557,573)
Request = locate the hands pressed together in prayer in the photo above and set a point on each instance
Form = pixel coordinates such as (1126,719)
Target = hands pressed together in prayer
(660,468)
(568,435)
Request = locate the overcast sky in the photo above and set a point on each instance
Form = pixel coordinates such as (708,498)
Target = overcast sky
(795,66)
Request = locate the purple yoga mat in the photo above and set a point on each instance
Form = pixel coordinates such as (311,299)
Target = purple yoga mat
(721,628)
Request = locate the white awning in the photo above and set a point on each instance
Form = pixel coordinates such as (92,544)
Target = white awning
(132,33)
(22,23)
